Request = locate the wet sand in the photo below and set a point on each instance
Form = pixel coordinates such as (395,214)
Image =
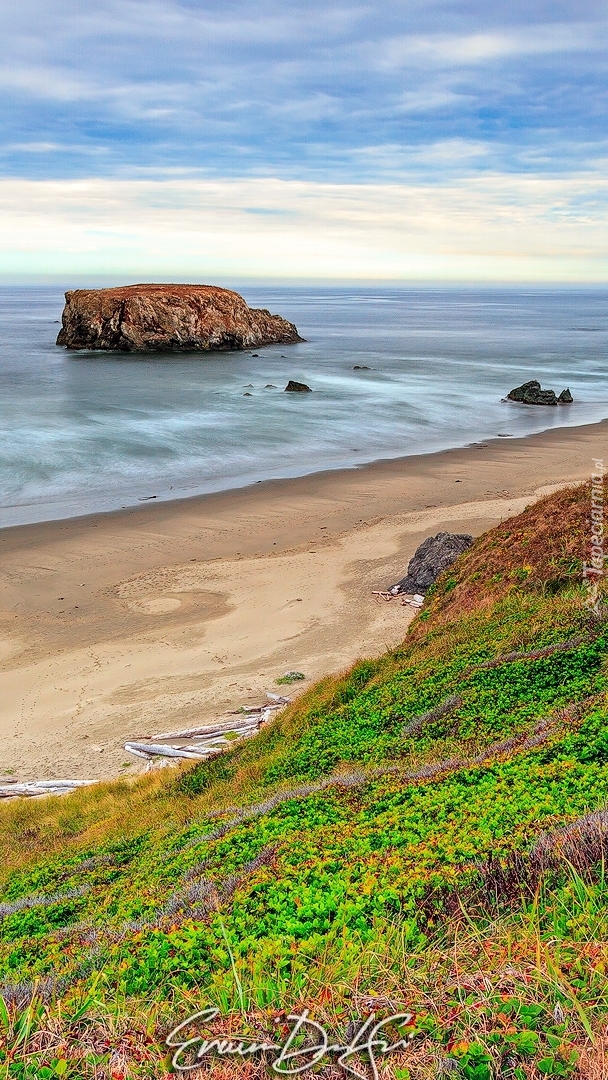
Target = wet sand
(166,615)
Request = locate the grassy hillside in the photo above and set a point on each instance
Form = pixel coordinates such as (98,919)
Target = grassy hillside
(423,834)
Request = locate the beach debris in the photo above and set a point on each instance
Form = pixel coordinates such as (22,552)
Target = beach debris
(297,387)
(164,750)
(431,558)
(201,732)
(132,749)
(10,788)
(530,393)
(415,601)
(206,741)
(290,677)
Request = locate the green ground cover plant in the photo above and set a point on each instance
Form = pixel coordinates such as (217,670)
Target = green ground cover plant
(424,833)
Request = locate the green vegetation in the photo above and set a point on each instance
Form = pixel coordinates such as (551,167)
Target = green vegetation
(424,834)
(290,677)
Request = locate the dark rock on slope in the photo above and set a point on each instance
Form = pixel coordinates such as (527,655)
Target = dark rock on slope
(153,318)
(434,555)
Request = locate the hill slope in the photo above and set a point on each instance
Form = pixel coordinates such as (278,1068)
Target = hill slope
(424,834)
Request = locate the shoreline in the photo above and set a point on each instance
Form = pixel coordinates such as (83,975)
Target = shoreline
(152,503)
(160,616)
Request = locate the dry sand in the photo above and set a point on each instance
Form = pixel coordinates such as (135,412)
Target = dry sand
(119,625)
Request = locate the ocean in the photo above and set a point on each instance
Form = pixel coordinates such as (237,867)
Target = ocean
(84,432)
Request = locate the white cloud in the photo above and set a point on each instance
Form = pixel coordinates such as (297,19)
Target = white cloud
(426,100)
(467,49)
(52,148)
(455,155)
(44,82)
(299,89)
(494,227)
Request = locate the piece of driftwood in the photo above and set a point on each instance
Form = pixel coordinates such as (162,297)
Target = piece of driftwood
(40,787)
(195,733)
(137,753)
(415,600)
(163,750)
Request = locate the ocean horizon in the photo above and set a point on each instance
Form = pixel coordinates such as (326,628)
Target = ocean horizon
(84,432)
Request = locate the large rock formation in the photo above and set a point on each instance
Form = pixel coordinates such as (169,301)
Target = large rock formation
(530,393)
(431,558)
(144,318)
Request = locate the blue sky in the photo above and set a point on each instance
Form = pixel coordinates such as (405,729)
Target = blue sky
(424,98)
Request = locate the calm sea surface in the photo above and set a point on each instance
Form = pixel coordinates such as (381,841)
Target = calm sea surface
(86,431)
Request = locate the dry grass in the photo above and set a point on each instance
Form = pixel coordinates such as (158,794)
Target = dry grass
(85,818)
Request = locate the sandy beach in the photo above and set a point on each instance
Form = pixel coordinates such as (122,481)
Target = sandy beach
(131,623)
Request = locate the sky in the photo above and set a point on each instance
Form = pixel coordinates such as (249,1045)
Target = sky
(432,140)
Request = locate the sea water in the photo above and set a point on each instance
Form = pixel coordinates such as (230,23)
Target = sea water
(90,431)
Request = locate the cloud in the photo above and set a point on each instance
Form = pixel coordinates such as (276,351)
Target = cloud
(447,50)
(320,138)
(51,148)
(299,90)
(495,227)
(50,83)
(430,98)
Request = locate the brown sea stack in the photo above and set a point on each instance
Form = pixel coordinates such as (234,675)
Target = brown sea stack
(159,318)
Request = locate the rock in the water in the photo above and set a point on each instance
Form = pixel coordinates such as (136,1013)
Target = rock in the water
(433,556)
(530,393)
(298,387)
(157,318)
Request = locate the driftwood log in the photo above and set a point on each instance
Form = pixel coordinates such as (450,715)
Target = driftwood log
(162,750)
(10,789)
(209,739)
